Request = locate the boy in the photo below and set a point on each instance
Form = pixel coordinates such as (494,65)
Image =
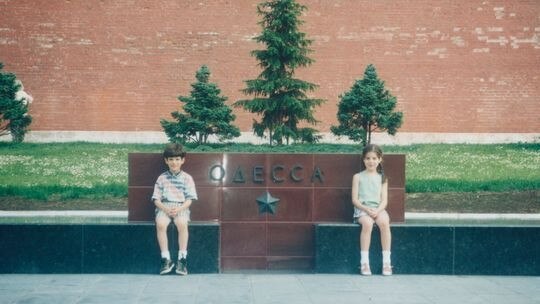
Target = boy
(173,193)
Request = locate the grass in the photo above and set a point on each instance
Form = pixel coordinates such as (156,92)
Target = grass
(472,168)
(74,170)
(65,171)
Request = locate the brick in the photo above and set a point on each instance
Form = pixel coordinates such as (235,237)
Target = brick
(459,66)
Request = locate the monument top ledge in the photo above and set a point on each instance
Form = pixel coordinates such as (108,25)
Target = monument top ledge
(315,187)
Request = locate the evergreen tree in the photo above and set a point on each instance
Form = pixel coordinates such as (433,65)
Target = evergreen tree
(367,107)
(278,97)
(14,117)
(205,114)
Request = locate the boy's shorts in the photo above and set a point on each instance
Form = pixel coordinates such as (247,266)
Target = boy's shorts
(184,214)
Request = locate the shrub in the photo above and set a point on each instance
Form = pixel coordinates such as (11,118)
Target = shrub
(14,102)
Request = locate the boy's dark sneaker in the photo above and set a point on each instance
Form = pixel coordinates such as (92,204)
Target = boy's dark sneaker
(181,267)
(166,266)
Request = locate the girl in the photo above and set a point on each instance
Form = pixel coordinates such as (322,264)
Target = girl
(370,197)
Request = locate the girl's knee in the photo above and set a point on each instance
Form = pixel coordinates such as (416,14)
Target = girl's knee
(383,219)
(367,224)
(383,226)
(181,224)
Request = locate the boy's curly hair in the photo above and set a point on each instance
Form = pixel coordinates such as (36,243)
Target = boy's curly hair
(174,150)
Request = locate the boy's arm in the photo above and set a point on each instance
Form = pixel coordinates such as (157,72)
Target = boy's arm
(159,204)
(185,205)
(156,196)
(190,195)
(190,192)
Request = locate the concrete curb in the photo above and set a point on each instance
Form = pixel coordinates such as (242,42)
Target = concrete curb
(408,215)
(64,213)
(471,216)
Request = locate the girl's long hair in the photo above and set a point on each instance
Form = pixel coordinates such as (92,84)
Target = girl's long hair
(378,151)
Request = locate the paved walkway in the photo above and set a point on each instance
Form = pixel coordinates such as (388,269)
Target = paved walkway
(266,288)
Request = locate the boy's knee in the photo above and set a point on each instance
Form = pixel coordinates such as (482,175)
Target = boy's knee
(161,225)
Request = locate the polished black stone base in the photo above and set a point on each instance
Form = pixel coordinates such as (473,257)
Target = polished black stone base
(122,248)
(418,249)
(132,248)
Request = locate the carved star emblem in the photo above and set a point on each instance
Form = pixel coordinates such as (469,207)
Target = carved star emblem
(267,203)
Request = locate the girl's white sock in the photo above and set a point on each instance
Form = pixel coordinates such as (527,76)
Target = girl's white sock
(386,257)
(165,255)
(182,254)
(364,257)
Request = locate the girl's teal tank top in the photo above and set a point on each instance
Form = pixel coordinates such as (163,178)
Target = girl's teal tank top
(369,190)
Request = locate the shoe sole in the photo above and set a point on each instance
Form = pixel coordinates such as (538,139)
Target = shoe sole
(167,271)
(180,272)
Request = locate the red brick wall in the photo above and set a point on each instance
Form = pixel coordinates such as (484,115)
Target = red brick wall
(455,66)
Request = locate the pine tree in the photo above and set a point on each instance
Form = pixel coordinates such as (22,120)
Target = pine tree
(278,97)
(14,117)
(205,114)
(367,107)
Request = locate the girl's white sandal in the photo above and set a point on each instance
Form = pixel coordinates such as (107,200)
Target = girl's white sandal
(387,270)
(364,270)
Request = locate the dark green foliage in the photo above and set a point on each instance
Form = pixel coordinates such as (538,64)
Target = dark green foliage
(279,98)
(367,107)
(14,117)
(205,114)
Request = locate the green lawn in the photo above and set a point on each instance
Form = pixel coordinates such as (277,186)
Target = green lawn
(471,168)
(73,170)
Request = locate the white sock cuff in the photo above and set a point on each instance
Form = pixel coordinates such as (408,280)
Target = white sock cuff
(165,255)
(386,256)
(364,257)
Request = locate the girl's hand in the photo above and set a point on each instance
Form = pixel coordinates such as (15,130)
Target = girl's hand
(372,212)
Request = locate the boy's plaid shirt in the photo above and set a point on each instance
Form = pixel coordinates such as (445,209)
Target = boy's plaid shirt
(174,188)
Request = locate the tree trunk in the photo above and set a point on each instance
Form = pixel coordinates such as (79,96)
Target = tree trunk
(369,135)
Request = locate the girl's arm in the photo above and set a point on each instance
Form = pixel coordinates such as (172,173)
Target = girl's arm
(384,197)
(354,193)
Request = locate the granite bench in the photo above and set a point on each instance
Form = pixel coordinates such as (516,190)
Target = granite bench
(100,248)
(433,249)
